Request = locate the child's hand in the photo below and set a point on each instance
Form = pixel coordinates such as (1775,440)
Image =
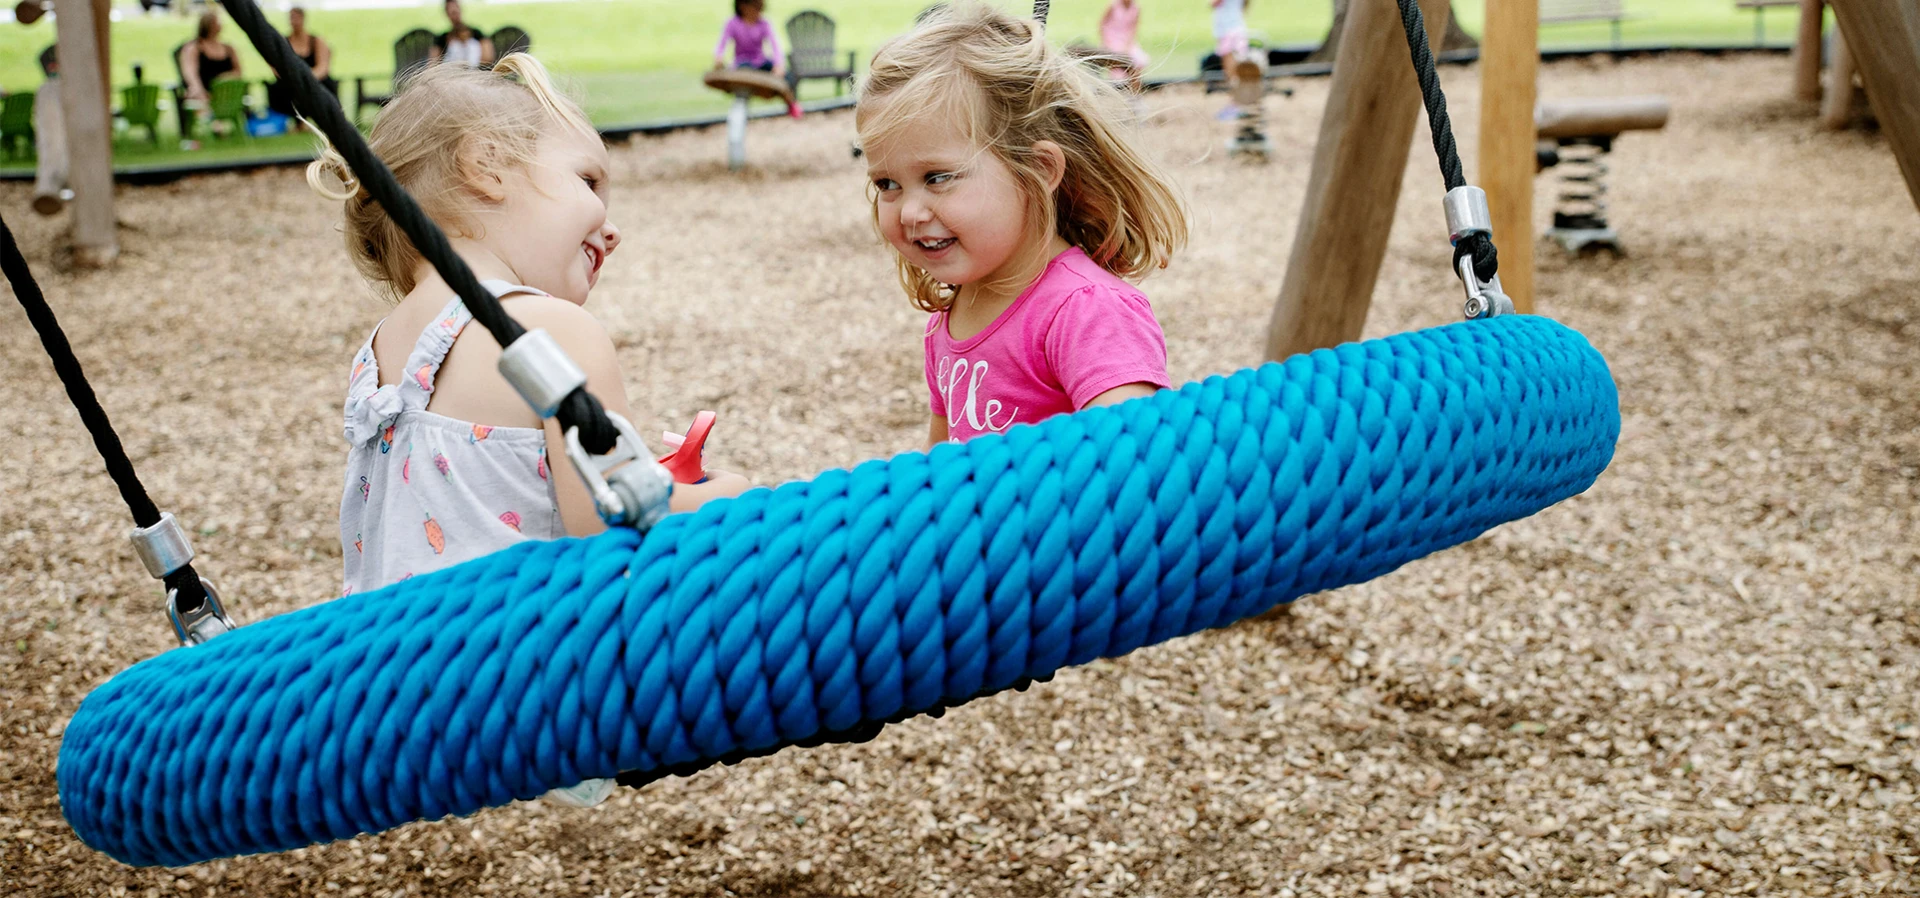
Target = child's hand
(718,485)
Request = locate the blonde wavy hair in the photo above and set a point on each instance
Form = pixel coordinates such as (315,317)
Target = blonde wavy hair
(995,75)
(448,123)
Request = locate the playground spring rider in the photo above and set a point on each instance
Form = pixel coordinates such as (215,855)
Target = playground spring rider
(1249,95)
(744,85)
(817,612)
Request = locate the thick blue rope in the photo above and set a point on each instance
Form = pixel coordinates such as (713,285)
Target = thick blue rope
(808,612)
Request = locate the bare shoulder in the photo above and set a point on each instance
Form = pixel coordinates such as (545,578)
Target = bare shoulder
(576,330)
(573,327)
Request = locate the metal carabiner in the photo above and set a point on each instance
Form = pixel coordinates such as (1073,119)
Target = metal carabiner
(197,625)
(1485,299)
(629,487)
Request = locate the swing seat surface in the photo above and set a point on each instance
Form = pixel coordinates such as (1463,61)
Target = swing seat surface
(796,614)
(758,84)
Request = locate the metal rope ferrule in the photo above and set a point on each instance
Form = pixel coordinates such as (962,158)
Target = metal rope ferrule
(630,488)
(163,547)
(1467,215)
(540,371)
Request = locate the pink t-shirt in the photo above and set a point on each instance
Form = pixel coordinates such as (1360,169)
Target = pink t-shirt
(1079,331)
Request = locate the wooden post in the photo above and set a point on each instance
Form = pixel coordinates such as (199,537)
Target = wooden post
(1806,51)
(89,137)
(1885,42)
(1373,106)
(103,47)
(1509,67)
(1836,108)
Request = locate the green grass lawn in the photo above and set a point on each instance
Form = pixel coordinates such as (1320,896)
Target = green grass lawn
(631,61)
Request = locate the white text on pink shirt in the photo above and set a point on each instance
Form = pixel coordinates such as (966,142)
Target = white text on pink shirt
(949,374)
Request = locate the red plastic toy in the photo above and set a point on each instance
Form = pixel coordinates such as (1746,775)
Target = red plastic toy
(684,462)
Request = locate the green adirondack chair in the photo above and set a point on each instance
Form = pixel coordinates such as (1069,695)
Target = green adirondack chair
(227,100)
(140,106)
(16,125)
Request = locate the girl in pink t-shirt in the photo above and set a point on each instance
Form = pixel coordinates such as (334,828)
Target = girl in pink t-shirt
(1120,35)
(1019,210)
(755,45)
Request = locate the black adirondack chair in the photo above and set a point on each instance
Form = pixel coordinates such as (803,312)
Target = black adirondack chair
(511,39)
(811,54)
(409,55)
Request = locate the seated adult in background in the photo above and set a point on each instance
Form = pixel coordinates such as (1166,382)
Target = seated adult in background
(206,58)
(313,51)
(461,43)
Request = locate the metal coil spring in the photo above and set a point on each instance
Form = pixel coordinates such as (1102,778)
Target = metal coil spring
(1582,200)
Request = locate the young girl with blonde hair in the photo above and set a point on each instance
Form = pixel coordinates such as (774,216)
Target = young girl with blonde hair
(1019,210)
(446,462)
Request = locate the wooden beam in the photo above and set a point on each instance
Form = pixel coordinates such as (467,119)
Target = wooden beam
(1885,41)
(103,47)
(1806,51)
(1509,69)
(1373,106)
(89,136)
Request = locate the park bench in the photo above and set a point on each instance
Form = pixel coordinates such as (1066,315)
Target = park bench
(811,54)
(409,53)
(1568,12)
(1759,8)
(510,39)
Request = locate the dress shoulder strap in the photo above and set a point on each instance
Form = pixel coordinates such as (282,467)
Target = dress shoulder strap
(437,338)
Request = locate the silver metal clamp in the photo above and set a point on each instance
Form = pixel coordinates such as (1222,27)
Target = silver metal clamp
(629,487)
(1468,214)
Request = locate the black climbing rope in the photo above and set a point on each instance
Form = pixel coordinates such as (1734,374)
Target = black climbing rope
(1486,261)
(580,409)
(190,596)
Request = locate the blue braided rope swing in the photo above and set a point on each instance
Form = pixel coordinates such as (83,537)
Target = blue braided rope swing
(817,612)
(794,614)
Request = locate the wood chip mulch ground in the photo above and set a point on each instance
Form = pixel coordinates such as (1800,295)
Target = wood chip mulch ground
(1697,679)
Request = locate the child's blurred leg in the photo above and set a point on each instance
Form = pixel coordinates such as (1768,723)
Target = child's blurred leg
(585,795)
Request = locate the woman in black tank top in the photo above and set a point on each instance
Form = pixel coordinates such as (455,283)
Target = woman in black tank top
(313,51)
(206,58)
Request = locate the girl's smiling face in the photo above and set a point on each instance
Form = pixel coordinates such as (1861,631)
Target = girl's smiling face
(946,205)
(552,227)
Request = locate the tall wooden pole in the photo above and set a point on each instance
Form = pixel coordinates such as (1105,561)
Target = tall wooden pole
(1884,38)
(89,138)
(1373,106)
(103,49)
(1806,51)
(1509,67)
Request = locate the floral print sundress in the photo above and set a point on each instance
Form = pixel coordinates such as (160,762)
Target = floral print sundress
(425,491)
